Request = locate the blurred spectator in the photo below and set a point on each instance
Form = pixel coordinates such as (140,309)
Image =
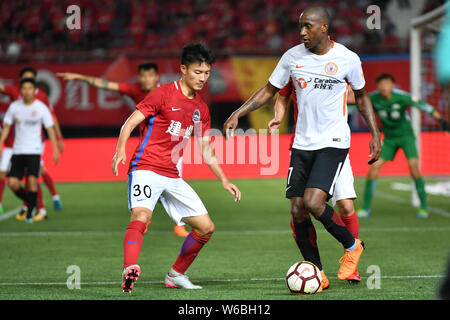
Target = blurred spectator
(233,26)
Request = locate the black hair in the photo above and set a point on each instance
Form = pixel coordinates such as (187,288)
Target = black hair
(383,76)
(25,80)
(148,66)
(196,52)
(320,12)
(27,69)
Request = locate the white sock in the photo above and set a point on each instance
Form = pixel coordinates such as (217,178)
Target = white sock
(173,273)
(55,197)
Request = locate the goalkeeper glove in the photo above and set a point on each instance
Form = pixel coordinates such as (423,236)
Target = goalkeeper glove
(445,125)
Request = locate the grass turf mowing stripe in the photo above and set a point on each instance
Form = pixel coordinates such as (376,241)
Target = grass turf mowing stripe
(9,214)
(217,233)
(431,276)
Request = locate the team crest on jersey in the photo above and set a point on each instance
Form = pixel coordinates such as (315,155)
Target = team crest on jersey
(331,68)
(196,116)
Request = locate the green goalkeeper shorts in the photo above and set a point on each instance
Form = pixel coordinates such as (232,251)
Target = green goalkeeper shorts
(390,147)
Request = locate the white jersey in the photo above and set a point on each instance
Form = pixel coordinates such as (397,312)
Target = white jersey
(321,84)
(28,121)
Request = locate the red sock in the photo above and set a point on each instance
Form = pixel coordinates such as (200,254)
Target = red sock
(191,246)
(39,198)
(49,183)
(132,243)
(352,224)
(2,188)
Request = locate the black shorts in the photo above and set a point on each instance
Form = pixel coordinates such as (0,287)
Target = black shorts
(25,163)
(314,169)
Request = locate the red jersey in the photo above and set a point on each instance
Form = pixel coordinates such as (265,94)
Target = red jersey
(286,91)
(171,119)
(133,90)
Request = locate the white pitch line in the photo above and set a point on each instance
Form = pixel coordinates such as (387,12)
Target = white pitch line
(217,233)
(9,214)
(4,284)
(435,210)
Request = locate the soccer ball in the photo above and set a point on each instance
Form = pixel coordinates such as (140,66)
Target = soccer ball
(303,278)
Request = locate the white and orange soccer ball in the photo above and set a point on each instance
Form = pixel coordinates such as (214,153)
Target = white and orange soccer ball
(303,278)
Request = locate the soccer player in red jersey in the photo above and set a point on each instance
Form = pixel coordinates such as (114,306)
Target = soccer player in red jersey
(344,192)
(148,81)
(13,92)
(167,118)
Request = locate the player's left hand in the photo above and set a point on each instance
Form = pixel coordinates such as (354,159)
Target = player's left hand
(120,156)
(61,146)
(55,157)
(227,185)
(229,126)
(375,150)
(445,125)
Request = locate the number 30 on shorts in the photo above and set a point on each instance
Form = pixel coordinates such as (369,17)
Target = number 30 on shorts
(142,189)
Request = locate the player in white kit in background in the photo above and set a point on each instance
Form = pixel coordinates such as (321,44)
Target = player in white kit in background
(28,115)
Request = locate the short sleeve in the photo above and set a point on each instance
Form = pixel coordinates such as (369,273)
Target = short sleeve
(9,115)
(286,90)
(355,76)
(12,92)
(47,117)
(281,75)
(152,103)
(125,88)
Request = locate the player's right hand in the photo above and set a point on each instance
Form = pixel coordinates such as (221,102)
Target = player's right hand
(229,126)
(120,156)
(273,125)
(375,150)
(68,76)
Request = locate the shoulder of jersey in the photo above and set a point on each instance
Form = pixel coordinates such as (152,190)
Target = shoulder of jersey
(40,104)
(400,91)
(373,93)
(344,50)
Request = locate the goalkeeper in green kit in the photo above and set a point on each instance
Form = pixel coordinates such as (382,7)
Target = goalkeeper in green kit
(390,105)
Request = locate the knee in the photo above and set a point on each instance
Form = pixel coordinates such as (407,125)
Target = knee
(206,230)
(299,214)
(346,208)
(314,206)
(13,184)
(141,215)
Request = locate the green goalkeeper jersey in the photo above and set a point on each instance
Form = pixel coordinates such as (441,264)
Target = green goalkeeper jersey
(393,113)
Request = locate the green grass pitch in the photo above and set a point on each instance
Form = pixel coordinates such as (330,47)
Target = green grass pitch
(247,257)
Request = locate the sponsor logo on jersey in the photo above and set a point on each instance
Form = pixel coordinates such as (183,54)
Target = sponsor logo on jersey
(331,68)
(303,83)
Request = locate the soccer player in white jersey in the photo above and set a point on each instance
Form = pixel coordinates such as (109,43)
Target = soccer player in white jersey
(321,71)
(167,118)
(28,114)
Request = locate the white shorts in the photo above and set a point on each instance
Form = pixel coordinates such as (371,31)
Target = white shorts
(6,159)
(343,188)
(146,187)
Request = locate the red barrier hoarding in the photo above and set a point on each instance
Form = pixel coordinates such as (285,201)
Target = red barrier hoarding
(90,159)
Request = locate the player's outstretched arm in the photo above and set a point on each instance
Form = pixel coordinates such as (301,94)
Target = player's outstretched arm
(280,110)
(93,81)
(2,88)
(210,158)
(132,122)
(256,101)
(364,106)
(444,123)
(52,136)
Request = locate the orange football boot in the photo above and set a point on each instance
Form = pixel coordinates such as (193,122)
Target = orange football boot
(180,231)
(325,283)
(349,261)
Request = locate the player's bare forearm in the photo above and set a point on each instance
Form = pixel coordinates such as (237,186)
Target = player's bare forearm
(52,136)
(365,108)
(2,88)
(93,81)
(256,101)
(280,107)
(210,158)
(4,134)
(125,132)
